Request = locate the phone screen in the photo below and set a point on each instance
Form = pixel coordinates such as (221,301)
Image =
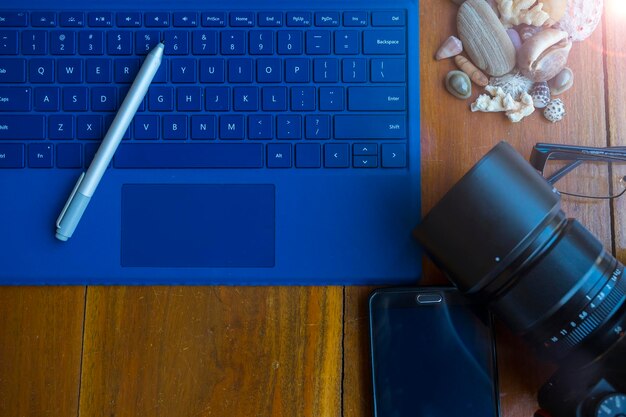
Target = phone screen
(431,359)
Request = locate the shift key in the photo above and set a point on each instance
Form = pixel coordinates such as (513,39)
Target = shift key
(15,127)
(388,126)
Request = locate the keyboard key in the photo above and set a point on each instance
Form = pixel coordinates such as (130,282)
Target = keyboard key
(12,70)
(365,149)
(91,42)
(145,40)
(175,127)
(354,70)
(75,98)
(13,19)
(308,155)
(365,161)
(217,98)
(336,155)
(274,98)
(232,127)
(279,155)
(100,19)
(11,155)
(331,98)
(327,19)
(176,42)
(270,19)
(269,70)
(16,127)
(89,127)
(40,155)
(297,70)
(185,19)
(242,19)
(128,19)
(189,98)
(98,70)
(370,126)
(43,19)
(384,42)
(318,42)
(41,70)
(126,70)
(161,99)
(394,155)
(183,70)
(14,99)
(347,42)
(376,98)
(204,42)
(355,19)
(70,70)
(261,42)
(203,127)
(213,19)
(317,126)
(289,42)
(240,70)
(119,42)
(189,155)
(233,42)
(47,99)
(103,99)
(146,127)
(8,42)
(299,19)
(69,155)
(246,98)
(288,127)
(260,126)
(157,19)
(62,42)
(388,70)
(325,70)
(212,70)
(61,127)
(303,98)
(34,42)
(72,19)
(388,18)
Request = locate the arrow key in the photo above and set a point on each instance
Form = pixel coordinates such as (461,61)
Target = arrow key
(365,161)
(365,149)
(394,155)
(336,155)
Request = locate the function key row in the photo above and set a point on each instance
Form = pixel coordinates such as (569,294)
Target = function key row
(206,19)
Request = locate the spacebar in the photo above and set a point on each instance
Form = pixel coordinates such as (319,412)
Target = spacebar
(189,155)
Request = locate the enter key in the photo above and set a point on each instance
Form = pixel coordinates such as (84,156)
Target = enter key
(376,98)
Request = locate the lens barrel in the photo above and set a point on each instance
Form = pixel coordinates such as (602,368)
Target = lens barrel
(501,236)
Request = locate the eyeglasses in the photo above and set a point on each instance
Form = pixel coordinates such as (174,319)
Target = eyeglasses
(595,172)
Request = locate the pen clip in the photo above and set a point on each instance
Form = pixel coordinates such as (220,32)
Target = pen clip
(69,200)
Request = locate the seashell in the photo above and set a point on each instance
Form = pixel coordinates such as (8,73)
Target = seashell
(555,110)
(544,55)
(581,18)
(540,94)
(459,84)
(451,47)
(515,38)
(563,81)
(555,9)
(526,31)
(484,38)
(514,84)
(470,69)
(515,12)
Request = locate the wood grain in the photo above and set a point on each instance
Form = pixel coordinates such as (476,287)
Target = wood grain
(41,331)
(223,351)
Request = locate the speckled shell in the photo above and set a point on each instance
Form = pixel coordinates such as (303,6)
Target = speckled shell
(458,84)
(484,38)
(563,81)
(581,18)
(449,48)
(544,55)
(540,94)
(555,110)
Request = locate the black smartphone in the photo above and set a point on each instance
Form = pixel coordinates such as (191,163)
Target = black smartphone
(433,355)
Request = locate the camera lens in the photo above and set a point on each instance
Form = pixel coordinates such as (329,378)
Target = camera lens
(501,236)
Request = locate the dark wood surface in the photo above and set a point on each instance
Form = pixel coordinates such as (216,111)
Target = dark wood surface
(291,351)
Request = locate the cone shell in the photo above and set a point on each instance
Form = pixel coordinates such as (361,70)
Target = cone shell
(544,55)
(540,94)
(484,38)
(449,48)
(470,69)
(554,111)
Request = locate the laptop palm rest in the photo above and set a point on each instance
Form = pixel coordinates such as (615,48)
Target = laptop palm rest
(198,225)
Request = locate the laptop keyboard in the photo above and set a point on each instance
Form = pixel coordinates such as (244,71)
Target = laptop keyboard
(235,89)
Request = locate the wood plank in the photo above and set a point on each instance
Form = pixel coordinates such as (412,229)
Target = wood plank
(40,350)
(220,351)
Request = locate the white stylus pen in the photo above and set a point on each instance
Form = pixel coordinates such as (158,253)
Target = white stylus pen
(88,181)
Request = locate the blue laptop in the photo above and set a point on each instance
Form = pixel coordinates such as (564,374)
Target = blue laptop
(278,142)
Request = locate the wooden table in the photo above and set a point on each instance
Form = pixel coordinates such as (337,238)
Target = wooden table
(241,351)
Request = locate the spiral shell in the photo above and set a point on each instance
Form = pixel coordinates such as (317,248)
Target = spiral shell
(555,110)
(540,94)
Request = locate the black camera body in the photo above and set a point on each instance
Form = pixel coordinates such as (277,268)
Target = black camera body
(500,236)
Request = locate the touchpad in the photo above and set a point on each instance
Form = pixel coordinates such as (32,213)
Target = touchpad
(197,225)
